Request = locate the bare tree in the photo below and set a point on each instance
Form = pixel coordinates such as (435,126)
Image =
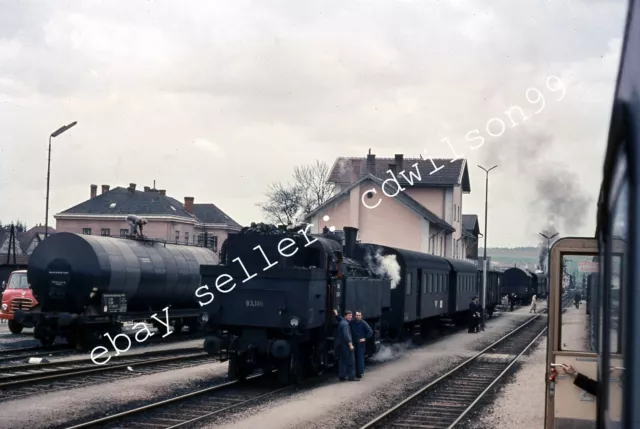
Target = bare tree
(283,203)
(286,203)
(312,179)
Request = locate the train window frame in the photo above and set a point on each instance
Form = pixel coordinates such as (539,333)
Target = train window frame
(424,283)
(408,285)
(560,348)
(430,283)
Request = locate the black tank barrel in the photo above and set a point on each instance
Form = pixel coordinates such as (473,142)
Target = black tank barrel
(67,272)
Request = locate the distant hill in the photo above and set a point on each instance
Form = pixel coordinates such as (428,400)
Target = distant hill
(506,256)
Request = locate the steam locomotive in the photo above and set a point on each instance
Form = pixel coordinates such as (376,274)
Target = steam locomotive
(524,284)
(87,285)
(281,316)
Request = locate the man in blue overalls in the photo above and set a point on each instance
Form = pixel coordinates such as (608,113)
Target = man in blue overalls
(344,348)
(361,331)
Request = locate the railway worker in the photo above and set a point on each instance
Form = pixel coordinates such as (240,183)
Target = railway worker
(360,330)
(345,348)
(474,315)
(534,304)
(135,223)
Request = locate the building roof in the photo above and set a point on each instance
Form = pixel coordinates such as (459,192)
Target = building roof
(412,204)
(452,173)
(122,201)
(470,223)
(209,213)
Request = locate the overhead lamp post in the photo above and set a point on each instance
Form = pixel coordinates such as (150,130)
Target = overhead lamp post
(548,254)
(56,133)
(484,261)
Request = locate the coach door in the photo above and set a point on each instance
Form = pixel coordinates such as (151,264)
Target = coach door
(571,334)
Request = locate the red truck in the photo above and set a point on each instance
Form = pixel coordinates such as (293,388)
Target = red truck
(16,295)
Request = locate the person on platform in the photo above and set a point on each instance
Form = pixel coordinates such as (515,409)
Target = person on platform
(344,348)
(360,330)
(534,304)
(474,315)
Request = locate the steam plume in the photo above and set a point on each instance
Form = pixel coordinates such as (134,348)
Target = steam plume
(384,265)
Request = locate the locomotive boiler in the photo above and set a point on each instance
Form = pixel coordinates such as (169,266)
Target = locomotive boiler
(89,285)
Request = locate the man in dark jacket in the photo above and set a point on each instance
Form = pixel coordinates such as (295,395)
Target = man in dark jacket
(344,348)
(585,383)
(474,315)
(361,331)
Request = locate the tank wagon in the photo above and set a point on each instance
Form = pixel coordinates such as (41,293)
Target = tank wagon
(283,317)
(87,285)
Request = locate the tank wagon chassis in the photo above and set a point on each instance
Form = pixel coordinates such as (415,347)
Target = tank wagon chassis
(88,286)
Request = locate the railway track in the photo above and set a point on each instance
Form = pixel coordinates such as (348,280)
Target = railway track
(24,380)
(8,356)
(189,408)
(444,402)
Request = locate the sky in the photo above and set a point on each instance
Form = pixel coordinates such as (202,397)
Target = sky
(216,99)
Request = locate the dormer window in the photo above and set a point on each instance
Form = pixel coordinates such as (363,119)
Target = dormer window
(173,208)
(112,205)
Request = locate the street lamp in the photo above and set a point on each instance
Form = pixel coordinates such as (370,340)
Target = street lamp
(548,254)
(484,262)
(56,133)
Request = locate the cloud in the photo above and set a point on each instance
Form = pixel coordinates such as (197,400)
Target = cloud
(158,87)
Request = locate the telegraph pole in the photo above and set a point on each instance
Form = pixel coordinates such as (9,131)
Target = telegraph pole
(484,261)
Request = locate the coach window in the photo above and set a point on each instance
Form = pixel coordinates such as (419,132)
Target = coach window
(424,283)
(429,283)
(408,283)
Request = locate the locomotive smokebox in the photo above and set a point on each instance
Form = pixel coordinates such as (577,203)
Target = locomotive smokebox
(350,234)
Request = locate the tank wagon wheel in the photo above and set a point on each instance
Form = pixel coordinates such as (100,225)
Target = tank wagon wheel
(15,327)
(290,371)
(178,324)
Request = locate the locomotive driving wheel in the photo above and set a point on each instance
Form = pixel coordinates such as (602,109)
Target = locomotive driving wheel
(15,327)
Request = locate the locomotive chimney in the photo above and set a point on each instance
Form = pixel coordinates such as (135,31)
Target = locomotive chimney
(371,164)
(105,189)
(94,191)
(350,234)
(162,192)
(399,162)
(188,204)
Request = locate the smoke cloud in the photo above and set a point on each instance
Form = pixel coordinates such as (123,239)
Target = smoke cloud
(554,192)
(384,265)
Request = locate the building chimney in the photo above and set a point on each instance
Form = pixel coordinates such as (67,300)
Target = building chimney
(371,164)
(132,187)
(392,167)
(162,192)
(399,162)
(188,204)
(94,191)
(105,189)
(147,188)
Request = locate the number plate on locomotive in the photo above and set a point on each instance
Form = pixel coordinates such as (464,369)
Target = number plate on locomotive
(114,303)
(253,303)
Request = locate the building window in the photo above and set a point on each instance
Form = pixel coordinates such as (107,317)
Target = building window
(124,232)
(177,236)
(105,232)
(186,237)
(86,231)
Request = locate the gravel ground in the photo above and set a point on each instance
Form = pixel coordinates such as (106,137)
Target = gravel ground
(64,407)
(519,401)
(350,405)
